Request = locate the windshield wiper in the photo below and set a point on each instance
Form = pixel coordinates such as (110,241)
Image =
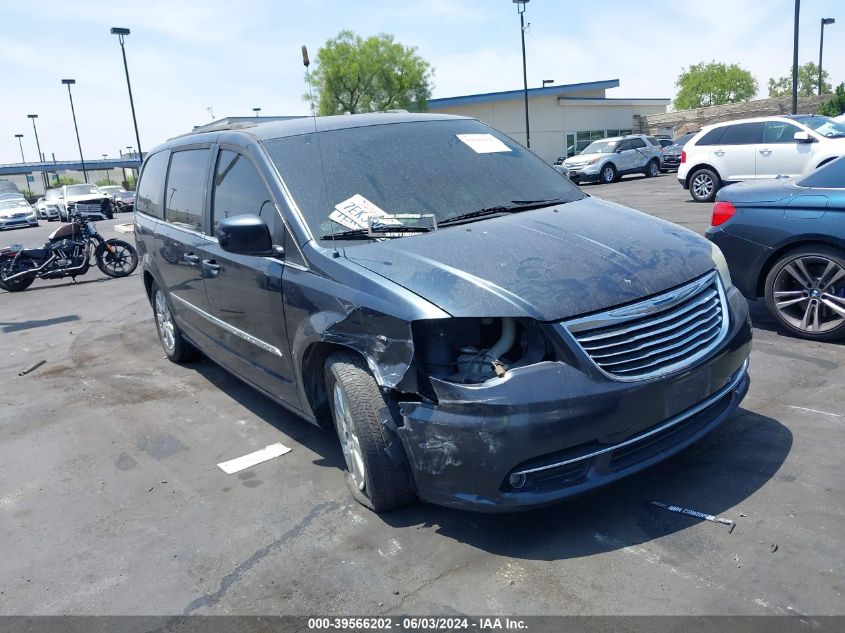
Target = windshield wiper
(359,234)
(515,207)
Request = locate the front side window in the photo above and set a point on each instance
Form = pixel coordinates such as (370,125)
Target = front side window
(624,145)
(151,186)
(185,191)
(238,189)
(743,134)
(779,132)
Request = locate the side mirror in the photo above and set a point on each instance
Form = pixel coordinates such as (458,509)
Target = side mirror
(246,235)
(802,137)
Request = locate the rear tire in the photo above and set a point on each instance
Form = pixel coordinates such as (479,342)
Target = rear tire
(16,285)
(377,472)
(177,349)
(652,169)
(805,293)
(703,185)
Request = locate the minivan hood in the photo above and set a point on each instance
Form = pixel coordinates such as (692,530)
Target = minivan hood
(549,264)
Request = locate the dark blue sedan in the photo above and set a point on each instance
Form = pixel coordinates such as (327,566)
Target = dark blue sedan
(785,240)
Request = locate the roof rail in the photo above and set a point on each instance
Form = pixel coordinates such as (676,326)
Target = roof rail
(221,127)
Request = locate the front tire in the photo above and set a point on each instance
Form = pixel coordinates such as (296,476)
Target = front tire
(177,349)
(377,474)
(120,261)
(703,185)
(805,292)
(608,174)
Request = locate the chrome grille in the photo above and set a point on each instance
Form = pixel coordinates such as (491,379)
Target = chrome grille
(664,333)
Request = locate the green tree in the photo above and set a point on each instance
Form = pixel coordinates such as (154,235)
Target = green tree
(352,75)
(67,180)
(711,84)
(103,182)
(835,106)
(808,82)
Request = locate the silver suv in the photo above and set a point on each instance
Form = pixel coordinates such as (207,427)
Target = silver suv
(609,159)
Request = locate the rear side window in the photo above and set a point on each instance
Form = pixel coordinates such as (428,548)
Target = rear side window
(743,134)
(638,142)
(151,186)
(186,188)
(713,137)
(238,189)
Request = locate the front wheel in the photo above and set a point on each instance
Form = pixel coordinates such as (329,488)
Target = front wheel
(805,292)
(607,174)
(377,474)
(175,346)
(116,258)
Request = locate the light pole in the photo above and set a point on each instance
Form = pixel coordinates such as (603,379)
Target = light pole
(108,176)
(256,110)
(520,8)
(821,47)
(69,83)
(795,60)
(38,146)
(121,33)
(23,160)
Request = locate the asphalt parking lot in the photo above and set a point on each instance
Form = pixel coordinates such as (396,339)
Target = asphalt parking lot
(111,501)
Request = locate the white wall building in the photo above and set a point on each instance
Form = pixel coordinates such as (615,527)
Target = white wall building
(562,119)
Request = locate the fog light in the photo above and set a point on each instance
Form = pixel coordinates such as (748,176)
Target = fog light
(517,480)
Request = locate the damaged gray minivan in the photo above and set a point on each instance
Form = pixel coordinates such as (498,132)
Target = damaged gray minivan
(480,333)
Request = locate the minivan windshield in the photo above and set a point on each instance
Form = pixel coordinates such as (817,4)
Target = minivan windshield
(446,168)
(823,125)
(600,147)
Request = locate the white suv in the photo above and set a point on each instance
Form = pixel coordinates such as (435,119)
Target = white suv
(752,149)
(609,159)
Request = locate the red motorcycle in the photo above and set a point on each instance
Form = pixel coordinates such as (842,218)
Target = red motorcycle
(67,253)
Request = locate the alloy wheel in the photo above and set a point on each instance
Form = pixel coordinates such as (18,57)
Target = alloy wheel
(164,320)
(348,439)
(702,186)
(809,294)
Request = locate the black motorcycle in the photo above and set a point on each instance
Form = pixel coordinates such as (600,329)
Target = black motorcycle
(67,253)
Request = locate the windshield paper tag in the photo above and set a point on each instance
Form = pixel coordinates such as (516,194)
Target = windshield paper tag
(483,143)
(354,213)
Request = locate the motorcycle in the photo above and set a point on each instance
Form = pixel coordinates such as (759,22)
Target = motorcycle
(67,253)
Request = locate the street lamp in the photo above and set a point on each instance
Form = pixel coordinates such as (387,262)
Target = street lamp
(69,83)
(520,8)
(108,169)
(795,59)
(821,47)
(20,143)
(256,110)
(38,146)
(121,33)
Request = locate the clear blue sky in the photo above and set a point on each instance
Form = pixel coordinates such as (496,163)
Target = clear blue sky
(188,55)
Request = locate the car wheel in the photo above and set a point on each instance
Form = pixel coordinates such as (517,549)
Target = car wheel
(175,346)
(377,474)
(703,185)
(607,174)
(805,292)
(652,169)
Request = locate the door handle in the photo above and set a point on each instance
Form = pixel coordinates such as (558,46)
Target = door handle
(211,266)
(719,152)
(766,151)
(190,258)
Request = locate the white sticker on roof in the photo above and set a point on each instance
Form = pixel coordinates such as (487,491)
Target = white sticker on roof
(483,143)
(354,212)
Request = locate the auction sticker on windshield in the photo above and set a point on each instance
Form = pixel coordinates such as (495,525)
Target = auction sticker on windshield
(483,143)
(354,212)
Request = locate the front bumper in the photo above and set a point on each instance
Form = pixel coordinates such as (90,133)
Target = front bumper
(566,429)
(587,174)
(48,213)
(15,223)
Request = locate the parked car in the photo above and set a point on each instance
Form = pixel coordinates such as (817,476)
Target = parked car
(48,206)
(753,149)
(665,142)
(16,212)
(111,190)
(672,154)
(124,200)
(609,159)
(87,199)
(785,240)
(7,186)
(840,118)
(479,332)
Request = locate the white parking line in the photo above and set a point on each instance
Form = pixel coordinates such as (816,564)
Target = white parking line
(245,461)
